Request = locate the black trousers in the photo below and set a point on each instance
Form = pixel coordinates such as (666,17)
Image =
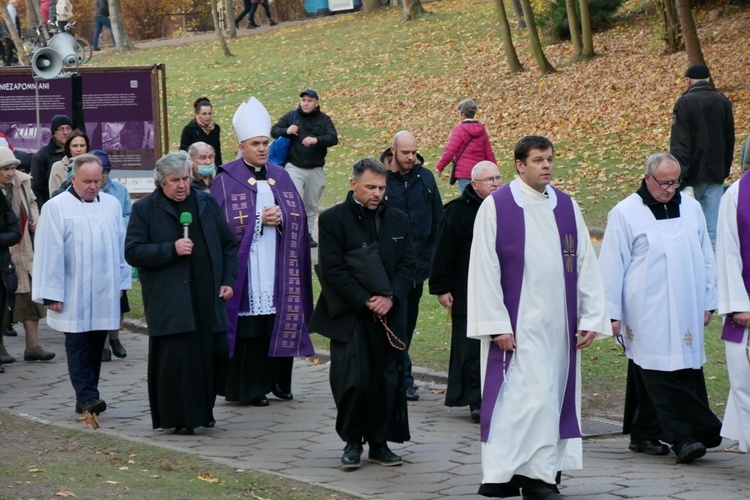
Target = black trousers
(669,406)
(367,384)
(412,313)
(84,351)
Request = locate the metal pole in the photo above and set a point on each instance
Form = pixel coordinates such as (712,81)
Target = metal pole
(38,122)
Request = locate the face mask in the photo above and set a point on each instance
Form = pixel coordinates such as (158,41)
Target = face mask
(206,170)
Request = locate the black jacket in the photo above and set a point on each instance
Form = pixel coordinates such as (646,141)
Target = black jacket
(192,133)
(149,245)
(40,169)
(450,264)
(343,229)
(101,8)
(416,193)
(702,137)
(315,124)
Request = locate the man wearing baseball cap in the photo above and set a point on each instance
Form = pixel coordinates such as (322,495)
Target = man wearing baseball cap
(702,140)
(60,127)
(311,133)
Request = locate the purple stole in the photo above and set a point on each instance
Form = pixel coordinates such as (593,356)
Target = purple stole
(510,242)
(236,191)
(732,332)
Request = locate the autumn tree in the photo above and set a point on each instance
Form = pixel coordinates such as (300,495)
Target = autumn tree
(689,32)
(217,28)
(231,27)
(518,9)
(575,34)
(10,28)
(412,9)
(534,42)
(510,51)
(586,32)
(672,33)
(119,33)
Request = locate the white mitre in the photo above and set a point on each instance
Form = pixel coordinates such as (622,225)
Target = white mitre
(251,120)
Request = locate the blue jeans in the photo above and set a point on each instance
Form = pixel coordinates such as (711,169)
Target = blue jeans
(709,196)
(100,23)
(462,183)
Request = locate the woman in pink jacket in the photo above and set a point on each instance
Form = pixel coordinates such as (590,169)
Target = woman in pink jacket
(468,144)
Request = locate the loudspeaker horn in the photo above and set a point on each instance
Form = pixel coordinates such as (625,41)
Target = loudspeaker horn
(46,63)
(65,44)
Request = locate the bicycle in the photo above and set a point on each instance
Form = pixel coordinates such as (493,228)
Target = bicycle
(84,50)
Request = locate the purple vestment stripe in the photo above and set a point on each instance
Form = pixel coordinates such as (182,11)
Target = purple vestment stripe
(293,288)
(510,243)
(731,331)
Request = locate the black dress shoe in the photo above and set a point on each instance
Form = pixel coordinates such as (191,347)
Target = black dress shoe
(2,370)
(381,454)
(79,407)
(540,494)
(689,451)
(117,349)
(211,424)
(183,431)
(351,457)
(476,415)
(95,406)
(286,396)
(411,393)
(313,243)
(106,355)
(648,446)
(259,401)
(10,332)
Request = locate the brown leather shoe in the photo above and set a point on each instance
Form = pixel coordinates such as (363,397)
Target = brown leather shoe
(37,354)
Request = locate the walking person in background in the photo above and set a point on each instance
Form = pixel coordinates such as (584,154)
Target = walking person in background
(10,234)
(202,128)
(64,14)
(101,21)
(467,146)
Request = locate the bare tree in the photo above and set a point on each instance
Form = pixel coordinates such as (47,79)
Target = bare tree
(692,43)
(229,11)
(672,32)
(217,28)
(13,32)
(575,33)
(534,42)
(120,34)
(412,10)
(32,13)
(588,35)
(518,8)
(514,65)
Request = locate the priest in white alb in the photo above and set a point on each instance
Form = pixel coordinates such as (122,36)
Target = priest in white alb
(535,298)
(733,269)
(658,269)
(80,272)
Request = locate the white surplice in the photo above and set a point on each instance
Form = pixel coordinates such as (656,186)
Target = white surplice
(660,279)
(524,436)
(733,298)
(79,260)
(261,263)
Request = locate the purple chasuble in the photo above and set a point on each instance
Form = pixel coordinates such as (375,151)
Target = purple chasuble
(731,331)
(235,188)
(510,243)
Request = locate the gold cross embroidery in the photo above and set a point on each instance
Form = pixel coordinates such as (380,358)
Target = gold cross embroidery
(688,337)
(241,218)
(569,253)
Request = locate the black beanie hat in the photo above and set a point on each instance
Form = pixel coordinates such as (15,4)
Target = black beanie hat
(697,72)
(58,121)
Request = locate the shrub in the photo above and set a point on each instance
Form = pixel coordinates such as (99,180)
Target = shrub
(554,21)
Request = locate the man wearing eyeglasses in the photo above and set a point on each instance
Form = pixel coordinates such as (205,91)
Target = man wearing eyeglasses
(658,268)
(535,299)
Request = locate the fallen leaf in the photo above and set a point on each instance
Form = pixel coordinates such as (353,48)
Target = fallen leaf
(36,470)
(113,482)
(90,420)
(207,477)
(64,492)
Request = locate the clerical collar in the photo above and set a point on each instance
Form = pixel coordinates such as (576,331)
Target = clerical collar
(259,173)
(73,192)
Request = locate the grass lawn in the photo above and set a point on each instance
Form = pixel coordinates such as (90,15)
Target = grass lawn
(376,76)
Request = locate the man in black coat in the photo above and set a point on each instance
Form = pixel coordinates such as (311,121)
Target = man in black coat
(61,126)
(702,140)
(412,189)
(311,133)
(449,278)
(366,270)
(186,282)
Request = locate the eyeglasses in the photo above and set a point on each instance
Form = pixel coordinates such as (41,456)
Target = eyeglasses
(667,185)
(496,178)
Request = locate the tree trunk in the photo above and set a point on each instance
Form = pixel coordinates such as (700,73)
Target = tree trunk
(229,10)
(119,33)
(514,65)
(689,32)
(575,33)
(371,5)
(536,45)
(217,28)
(412,10)
(588,35)
(519,14)
(32,13)
(672,33)
(10,29)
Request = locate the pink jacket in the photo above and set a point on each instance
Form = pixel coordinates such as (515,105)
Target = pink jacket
(478,149)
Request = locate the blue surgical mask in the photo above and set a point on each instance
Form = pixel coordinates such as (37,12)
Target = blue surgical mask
(206,170)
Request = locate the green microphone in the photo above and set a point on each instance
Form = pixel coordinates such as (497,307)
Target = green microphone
(186,218)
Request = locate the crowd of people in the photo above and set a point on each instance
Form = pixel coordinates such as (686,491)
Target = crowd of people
(223,252)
